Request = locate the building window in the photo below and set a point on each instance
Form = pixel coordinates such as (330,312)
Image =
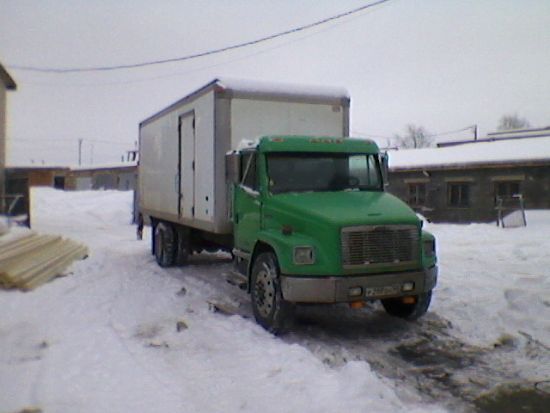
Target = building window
(458,194)
(417,194)
(59,182)
(506,190)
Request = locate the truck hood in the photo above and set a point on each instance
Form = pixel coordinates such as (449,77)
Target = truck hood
(346,208)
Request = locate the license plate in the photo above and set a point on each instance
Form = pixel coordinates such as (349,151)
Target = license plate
(382,291)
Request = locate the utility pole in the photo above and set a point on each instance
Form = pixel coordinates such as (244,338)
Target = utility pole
(80,152)
(474,128)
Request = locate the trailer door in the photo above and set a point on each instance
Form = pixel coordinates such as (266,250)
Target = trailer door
(187,165)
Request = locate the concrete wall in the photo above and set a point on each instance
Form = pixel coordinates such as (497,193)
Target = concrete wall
(534,185)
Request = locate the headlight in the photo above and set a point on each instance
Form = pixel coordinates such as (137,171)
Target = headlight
(304,255)
(429,248)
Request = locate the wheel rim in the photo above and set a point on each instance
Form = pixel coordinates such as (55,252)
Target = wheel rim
(265,291)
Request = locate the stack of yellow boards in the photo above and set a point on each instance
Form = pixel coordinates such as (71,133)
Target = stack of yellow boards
(31,260)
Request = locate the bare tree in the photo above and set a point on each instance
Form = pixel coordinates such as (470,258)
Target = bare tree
(415,137)
(511,122)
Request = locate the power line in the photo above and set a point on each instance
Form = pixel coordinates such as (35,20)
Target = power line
(193,70)
(200,54)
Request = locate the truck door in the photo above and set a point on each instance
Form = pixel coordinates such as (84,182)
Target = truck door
(186,203)
(247,206)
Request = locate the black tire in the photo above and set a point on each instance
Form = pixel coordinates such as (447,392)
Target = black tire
(165,245)
(270,309)
(183,246)
(395,306)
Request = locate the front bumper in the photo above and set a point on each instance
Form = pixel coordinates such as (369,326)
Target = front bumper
(337,289)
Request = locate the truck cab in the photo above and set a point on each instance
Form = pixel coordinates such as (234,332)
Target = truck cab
(312,223)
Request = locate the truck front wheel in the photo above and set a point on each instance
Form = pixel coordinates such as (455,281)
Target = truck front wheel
(270,309)
(164,245)
(398,308)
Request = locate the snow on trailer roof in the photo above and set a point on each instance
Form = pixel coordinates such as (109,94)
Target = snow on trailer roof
(475,153)
(264,90)
(252,87)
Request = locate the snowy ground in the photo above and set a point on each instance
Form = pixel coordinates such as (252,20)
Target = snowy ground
(105,339)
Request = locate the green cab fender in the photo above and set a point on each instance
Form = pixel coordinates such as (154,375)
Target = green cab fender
(284,245)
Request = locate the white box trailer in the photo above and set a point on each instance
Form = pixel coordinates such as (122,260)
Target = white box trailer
(182,148)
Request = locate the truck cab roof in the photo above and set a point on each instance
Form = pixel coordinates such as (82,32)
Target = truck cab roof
(292,143)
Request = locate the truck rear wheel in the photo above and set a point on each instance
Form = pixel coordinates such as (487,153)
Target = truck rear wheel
(182,246)
(165,245)
(270,309)
(397,308)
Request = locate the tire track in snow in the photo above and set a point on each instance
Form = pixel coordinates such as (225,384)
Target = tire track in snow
(123,290)
(424,356)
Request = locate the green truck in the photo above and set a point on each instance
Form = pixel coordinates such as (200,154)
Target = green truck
(305,216)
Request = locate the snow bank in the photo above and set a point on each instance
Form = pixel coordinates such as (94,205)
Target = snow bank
(84,215)
(495,282)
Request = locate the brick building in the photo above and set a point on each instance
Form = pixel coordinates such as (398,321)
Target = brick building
(469,181)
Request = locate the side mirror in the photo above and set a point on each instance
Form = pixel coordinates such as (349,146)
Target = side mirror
(233,167)
(384,165)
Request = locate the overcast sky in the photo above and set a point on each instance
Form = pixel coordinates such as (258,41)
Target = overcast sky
(441,64)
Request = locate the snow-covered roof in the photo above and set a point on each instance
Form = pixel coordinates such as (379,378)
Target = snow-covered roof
(478,153)
(519,133)
(104,166)
(75,167)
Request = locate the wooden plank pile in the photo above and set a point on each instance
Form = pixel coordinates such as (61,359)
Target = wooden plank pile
(32,259)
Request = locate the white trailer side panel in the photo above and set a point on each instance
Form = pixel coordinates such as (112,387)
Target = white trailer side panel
(254,118)
(176,169)
(158,166)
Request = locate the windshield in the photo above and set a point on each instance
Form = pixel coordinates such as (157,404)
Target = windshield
(300,172)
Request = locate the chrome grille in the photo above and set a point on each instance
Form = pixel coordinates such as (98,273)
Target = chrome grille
(379,244)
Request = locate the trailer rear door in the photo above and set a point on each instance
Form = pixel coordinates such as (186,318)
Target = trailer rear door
(187,165)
